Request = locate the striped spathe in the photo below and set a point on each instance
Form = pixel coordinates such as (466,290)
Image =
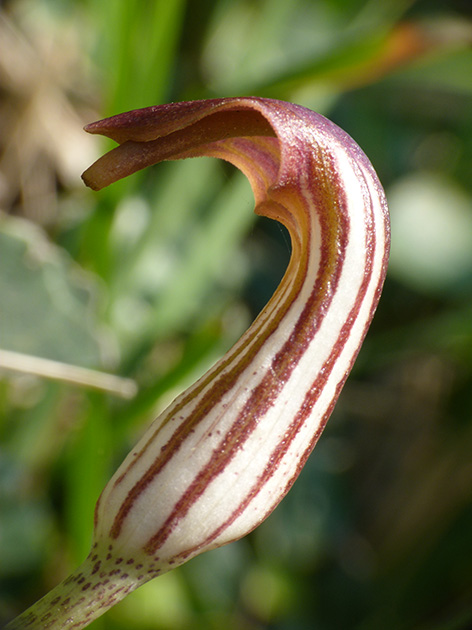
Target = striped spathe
(214,464)
(223,455)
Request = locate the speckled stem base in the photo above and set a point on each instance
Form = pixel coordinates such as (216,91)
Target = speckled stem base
(101,581)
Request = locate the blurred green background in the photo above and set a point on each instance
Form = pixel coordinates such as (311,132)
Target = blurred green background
(152,279)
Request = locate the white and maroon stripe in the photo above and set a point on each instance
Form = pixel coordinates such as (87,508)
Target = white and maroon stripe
(223,455)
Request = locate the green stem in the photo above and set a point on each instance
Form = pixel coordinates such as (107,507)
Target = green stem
(94,587)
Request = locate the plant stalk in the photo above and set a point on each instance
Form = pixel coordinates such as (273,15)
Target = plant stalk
(94,587)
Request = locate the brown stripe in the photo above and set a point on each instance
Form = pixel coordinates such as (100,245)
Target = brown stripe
(242,148)
(306,408)
(219,389)
(265,394)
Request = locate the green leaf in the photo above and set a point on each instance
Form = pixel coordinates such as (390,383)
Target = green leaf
(49,304)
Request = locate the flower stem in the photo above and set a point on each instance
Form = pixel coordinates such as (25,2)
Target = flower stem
(94,587)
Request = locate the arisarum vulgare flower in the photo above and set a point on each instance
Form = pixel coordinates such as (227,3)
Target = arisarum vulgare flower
(216,462)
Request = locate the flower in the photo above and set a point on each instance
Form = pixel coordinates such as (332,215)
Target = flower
(222,456)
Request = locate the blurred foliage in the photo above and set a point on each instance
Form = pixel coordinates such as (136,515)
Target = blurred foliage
(155,277)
